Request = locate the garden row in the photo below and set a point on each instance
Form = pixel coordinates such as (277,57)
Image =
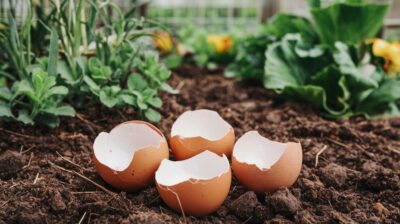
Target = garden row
(75,55)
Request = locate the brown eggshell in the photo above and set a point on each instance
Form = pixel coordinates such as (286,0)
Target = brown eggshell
(282,174)
(184,148)
(140,172)
(197,198)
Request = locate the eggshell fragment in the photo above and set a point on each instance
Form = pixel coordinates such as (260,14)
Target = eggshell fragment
(263,165)
(196,186)
(128,156)
(196,131)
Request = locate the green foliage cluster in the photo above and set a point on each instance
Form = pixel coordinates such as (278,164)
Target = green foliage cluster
(77,63)
(326,64)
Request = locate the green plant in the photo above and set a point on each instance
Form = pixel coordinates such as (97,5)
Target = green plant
(204,52)
(137,86)
(304,63)
(92,65)
(349,21)
(336,80)
(16,45)
(250,58)
(36,97)
(107,59)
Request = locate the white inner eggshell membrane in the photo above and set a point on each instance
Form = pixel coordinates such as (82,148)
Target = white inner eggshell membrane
(252,148)
(117,148)
(200,123)
(204,166)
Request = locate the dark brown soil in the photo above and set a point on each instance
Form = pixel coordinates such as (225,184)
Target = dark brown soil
(43,171)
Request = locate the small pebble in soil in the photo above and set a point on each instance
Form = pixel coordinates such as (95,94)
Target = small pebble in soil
(243,207)
(57,203)
(333,175)
(283,202)
(10,164)
(380,209)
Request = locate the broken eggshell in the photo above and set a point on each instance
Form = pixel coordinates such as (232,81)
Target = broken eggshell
(128,156)
(196,186)
(199,130)
(263,165)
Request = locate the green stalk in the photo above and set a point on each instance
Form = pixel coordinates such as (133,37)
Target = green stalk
(83,27)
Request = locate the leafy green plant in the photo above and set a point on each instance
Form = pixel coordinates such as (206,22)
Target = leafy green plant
(340,83)
(327,65)
(86,64)
(36,97)
(349,21)
(250,57)
(139,87)
(107,62)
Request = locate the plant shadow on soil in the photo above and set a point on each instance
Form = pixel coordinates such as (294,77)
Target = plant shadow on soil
(356,180)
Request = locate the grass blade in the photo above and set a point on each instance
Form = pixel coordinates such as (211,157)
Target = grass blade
(53,53)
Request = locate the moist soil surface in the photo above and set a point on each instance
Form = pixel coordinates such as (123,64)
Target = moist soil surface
(47,175)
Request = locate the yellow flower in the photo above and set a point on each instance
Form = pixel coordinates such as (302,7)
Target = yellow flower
(222,43)
(390,51)
(163,41)
(2,26)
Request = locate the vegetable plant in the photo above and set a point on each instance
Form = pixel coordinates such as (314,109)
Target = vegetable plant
(86,62)
(340,73)
(34,96)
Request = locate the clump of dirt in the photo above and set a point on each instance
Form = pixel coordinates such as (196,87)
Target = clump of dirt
(283,202)
(244,206)
(10,164)
(334,175)
(45,173)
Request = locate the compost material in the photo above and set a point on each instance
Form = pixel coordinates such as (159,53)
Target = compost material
(350,172)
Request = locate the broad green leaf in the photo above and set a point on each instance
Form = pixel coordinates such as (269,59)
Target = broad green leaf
(109,96)
(152,115)
(284,67)
(282,24)
(65,72)
(58,90)
(356,81)
(348,21)
(333,82)
(5,93)
(5,110)
(24,117)
(167,88)
(92,85)
(155,102)
(382,101)
(128,99)
(172,61)
(61,111)
(22,87)
(136,82)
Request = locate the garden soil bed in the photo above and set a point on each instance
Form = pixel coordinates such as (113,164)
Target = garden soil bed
(46,174)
